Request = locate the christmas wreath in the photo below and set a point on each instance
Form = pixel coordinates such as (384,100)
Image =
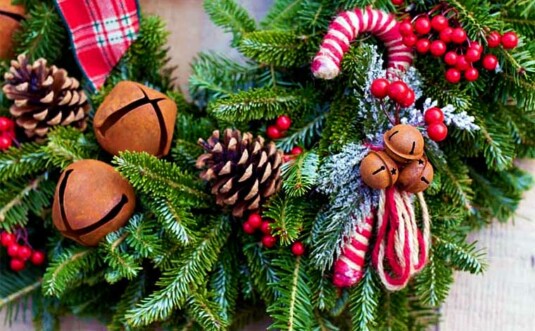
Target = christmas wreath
(328,179)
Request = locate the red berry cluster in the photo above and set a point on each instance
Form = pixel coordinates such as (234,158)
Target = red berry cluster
(436,129)
(277,130)
(397,91)
(255,223)
(7,133)
(20,253)
(436,36)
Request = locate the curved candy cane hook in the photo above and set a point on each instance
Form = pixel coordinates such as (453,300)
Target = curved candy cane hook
(346,27)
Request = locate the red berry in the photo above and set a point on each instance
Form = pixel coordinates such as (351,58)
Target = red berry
(287,158)
(472,55)
(461,63)
(296,150)
(433,115)
(494,39)
(477,46)
(422,45)
(453,75)
(422,25)
(397,2)
(265,227)
(509,40)
(379,88)
(439,23)
(409,99)
(38,258)
(255,220)
(269,241)
(437,131)
(24,253)
(445,35)
(13,250)
(458,35)
(6,124)
(298,248)
(437,48)
(490,62)
(471,74)
(17,265)
(283,122)
(273,132)
(405,29)
(248,228)
(410,41)
(5,141)
(7,239)
(397,91)
(450,58)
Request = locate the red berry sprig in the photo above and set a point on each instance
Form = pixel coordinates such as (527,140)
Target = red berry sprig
(436,36)
(277,130)
(398,91)
(298,248)
(20,253)
(7,133)
(436,129)
(255,223)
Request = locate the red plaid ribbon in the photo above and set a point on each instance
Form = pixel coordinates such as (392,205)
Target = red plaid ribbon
(101,32)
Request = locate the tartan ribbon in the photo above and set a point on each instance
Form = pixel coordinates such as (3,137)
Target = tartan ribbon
(101,32)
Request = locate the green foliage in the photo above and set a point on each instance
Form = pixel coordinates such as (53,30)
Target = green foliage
(42,34)
(282,14)
(184,279)
(364,302)
(300,175)
(433,283)
(18,162)
(231,17)
(288,214)
(66,145)
(15,289)
(293,309)
(261,103)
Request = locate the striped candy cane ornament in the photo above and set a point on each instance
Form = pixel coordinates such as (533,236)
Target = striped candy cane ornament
(349,268)
(346,27)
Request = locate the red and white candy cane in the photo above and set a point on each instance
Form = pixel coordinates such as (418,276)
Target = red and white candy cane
(401,249)
(349,268)
(346,27)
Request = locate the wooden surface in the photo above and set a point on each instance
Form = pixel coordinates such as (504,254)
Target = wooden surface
(503,299)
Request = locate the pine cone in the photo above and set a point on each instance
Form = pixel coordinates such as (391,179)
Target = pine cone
(44,97)
(244,171)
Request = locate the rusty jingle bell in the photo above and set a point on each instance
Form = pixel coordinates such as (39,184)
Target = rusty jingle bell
(404,143)
(416,176)
(91,200)
(135,118)
(378,170)
(10,18)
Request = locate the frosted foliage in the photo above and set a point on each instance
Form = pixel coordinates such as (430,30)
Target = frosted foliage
(351,201)
(461,120)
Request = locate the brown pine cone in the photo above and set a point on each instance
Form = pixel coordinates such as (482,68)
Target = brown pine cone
(244,170)
(44,97)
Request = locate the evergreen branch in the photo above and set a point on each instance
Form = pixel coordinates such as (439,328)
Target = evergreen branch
(302,136)
(19,162)
(262,270)
(288,214)
(277,48)
(364,302)
(293,309)
(17,199)
(157,177)
(282,14)
(177,219)
(231,17)
(19,294)
(67,268)
(130,297)
(179,282)
(42,34)
(300,175)
(120,263)
(66,145)
(260,103)
(461,255)
(205,312)
(143,237)
(433,283)
(224,284)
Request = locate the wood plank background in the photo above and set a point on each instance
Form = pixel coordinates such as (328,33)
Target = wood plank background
(502,299)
